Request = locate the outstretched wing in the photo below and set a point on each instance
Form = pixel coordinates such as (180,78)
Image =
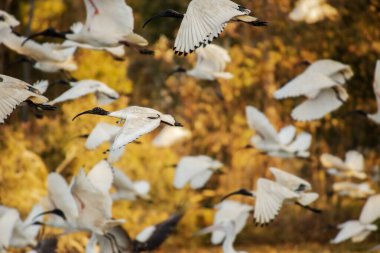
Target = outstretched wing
(101,176)
(286,134)
(354,160)
(101,133)
(188,168)
(348,230)
(301,143)
(290,181)
(204,21)
(371,210)
(269,200)
(260,123)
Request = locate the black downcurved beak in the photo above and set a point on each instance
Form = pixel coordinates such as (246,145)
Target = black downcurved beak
(56,212)
(357,112)
(166,13)
(243,192)
(50,32)
(95,111)
(177,70)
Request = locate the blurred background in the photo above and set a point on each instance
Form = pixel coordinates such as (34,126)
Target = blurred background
(263,59)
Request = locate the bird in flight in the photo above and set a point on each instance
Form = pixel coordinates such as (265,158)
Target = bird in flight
(271,195)
(322,83)
(204,21)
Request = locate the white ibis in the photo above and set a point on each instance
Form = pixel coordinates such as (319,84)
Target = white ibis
(352,166)
(322,83)
(149,239)
(86,204)
(15,232)
(47,57)
(108,24)
(228,227)
(126,189)
(204,21)
(14,91)
(104,94)
(211,64)
(139,121)
(312,11)
(359,230)
(284,143)
(230,210)
(353,190)
(374,117)
(170,136)
(8,19)
(271,195)
(196,170)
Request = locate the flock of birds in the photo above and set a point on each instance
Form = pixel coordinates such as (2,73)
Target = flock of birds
(85,204)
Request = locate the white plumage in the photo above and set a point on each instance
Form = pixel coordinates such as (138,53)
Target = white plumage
(126,189)
(8,19)
(170,136)
(211,63)
(196,170)
(230,210)
(14,91)
(353,190)
(271,195)
(284,143)
(352,166)
(103,92)
(139,121)
(228,227)
(86,203)
(205,20)
(15,232)
(322,83)
(47,57)
(359,230)
(312,11)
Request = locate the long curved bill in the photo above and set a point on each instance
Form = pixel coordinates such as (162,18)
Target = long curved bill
(82,113)
(166,13)
(48,32)
(55,212)
(243,192)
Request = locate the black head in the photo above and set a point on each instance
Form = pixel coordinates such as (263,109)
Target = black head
(95,111)
(242,191)
(50,32)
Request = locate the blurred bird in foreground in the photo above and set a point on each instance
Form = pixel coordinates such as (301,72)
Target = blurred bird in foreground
(359,230)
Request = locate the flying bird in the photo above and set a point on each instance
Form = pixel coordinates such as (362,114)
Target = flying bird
(271,195)
(47,57)
(196,170)
(17,233)
(138,121)
(352,166)
(149,239)
(108,24)
(126,189)
(322,83)
(86,204)
(353,190)
(228,227)
(204,21)
(170,136)
(359,230)
(211,64)
(104,94)
(312,11)
(284,143)
(14,91)
(230,210)
(374,117)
